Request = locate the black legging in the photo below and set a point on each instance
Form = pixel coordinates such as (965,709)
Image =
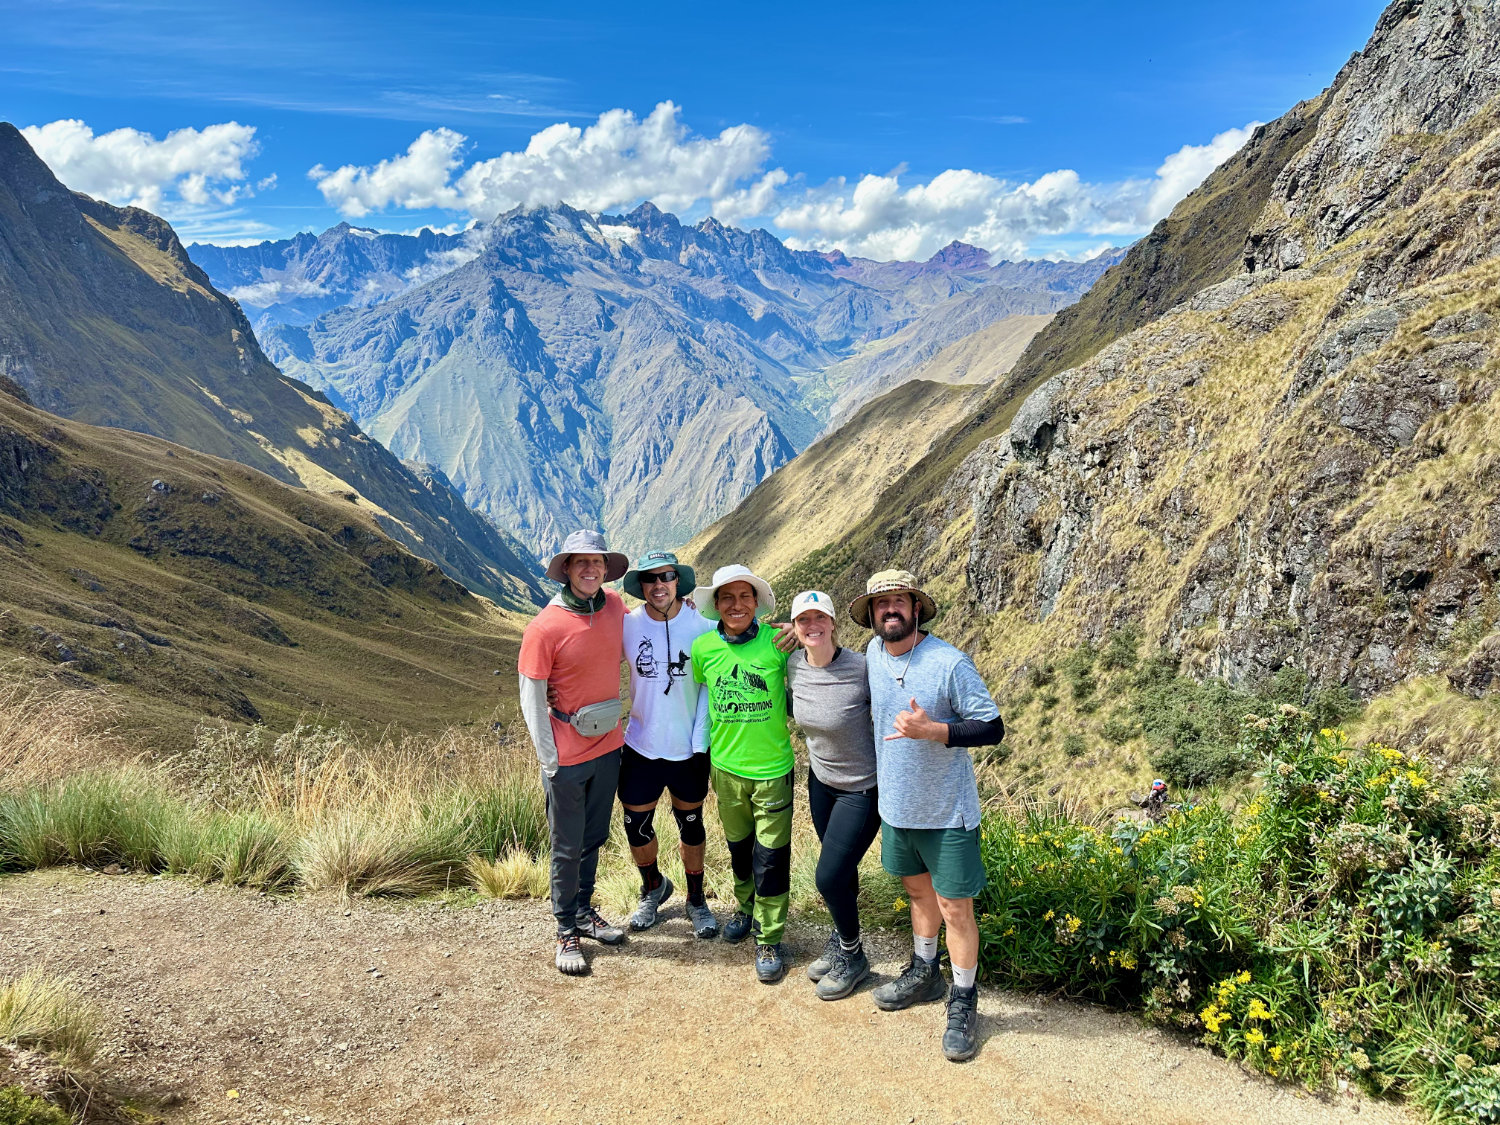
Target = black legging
(846,824)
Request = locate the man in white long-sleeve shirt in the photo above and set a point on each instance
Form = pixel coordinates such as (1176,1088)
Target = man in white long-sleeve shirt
(574,647)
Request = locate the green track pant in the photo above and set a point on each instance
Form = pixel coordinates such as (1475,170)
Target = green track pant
(757,819)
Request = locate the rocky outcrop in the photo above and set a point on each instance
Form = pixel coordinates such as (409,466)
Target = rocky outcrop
(1299,464)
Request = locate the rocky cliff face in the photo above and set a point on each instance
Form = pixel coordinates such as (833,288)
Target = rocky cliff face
(104,319)
(637,373)
(1300,464)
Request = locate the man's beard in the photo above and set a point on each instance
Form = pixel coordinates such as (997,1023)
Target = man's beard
(898,629)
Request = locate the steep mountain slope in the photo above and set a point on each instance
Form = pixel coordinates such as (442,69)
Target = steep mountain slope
(193,586)
(833,484)
(631,370)
(1296,467)
(293,280)
(104,319)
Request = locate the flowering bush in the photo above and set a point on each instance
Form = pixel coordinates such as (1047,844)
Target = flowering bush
(1345,923)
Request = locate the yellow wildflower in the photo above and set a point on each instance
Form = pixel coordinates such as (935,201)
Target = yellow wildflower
(1258,1011)
(1213,1018)
(1243,977)
(1047,917)
(1254,1037)
(1275,1053)
(899,904)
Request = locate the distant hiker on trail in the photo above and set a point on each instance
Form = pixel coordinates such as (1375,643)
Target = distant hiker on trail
(574,646)
(666,740)
(929,704)
(828,694)
(751,750)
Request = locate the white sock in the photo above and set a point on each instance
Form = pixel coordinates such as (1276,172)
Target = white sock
(926,946)
(964,978)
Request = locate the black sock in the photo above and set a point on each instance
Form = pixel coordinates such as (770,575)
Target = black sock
(650,877)
(695,887)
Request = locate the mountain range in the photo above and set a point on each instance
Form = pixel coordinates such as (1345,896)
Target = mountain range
(104,319)
(1265,443)
(631,371)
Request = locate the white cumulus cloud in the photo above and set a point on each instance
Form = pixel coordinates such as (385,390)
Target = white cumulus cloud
(879,218)
(617,160)
(194,168)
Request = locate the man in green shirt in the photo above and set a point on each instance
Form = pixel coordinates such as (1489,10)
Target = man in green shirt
(751,752)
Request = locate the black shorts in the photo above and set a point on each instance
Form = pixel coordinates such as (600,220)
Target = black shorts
(642,779)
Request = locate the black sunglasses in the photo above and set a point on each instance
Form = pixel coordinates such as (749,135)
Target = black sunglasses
(653,579)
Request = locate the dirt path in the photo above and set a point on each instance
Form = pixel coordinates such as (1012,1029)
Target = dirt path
(397,1012)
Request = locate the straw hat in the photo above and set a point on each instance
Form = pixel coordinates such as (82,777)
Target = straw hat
(892,582)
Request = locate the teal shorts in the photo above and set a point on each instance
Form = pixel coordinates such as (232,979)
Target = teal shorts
(951,855)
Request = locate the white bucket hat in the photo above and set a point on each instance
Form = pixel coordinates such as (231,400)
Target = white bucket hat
(586,543)
(703,596)
(812,599)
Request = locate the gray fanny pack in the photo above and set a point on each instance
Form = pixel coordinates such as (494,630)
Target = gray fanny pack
(593,720)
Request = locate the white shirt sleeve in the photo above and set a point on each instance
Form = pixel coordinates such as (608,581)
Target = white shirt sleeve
(538,718)
(700,722)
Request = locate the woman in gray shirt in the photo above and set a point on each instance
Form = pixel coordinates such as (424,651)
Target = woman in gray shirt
(828,693)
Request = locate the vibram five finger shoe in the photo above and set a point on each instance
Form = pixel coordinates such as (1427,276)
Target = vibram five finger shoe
(570,956)
(705,925)
(818,968)
(961,1039)
(770,963)
(592,925)
(648,909)
(921,982)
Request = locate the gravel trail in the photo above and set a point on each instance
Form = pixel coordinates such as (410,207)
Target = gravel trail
(315,1010)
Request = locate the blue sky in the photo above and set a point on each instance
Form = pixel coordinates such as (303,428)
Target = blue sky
(887,129)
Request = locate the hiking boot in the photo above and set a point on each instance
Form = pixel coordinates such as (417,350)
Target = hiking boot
(961,1040)
(592,925)
(844,975)
(820,967)
(738,928)
(570,956)
(647,909)
(705,925)
(770,962)
(921,982)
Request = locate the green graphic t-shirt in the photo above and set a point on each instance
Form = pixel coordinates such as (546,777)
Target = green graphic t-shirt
(747,732)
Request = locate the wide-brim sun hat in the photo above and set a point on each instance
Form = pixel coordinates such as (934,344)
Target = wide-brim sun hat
(812,599)
(587,543)
(658,560)
(703,596)
(892,582)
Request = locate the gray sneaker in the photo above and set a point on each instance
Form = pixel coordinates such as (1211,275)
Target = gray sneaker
(770,963)
(647,910)
(705,925)
(570,957)
(961,1039)
(844,975)
(921,982)
(738,928)
(818,968)
(592,925)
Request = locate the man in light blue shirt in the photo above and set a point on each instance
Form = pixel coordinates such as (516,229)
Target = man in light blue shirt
(929,705)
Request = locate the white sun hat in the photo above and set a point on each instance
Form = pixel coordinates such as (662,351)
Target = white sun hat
(703,596)
(812,599)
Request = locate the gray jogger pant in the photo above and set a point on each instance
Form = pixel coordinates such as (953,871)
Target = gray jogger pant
(580,801)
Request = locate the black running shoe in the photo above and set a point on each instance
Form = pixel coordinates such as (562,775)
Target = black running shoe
(831,947)
(844,975)
(921,982)
(738,928)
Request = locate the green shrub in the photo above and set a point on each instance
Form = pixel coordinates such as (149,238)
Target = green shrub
(17,1107)
(1345,924)
(1120,649)
(1041,675)
(1073,745)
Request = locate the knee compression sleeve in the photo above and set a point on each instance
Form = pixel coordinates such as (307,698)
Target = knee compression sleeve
(638,827)
(741,856)
(773,870)
(690,826)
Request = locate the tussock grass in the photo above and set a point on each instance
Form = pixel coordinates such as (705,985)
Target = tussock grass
(516,874)
(48,1013)
(47,733)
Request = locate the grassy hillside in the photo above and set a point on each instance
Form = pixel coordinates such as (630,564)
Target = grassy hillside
(105,320)
(828,491)
(189,586)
